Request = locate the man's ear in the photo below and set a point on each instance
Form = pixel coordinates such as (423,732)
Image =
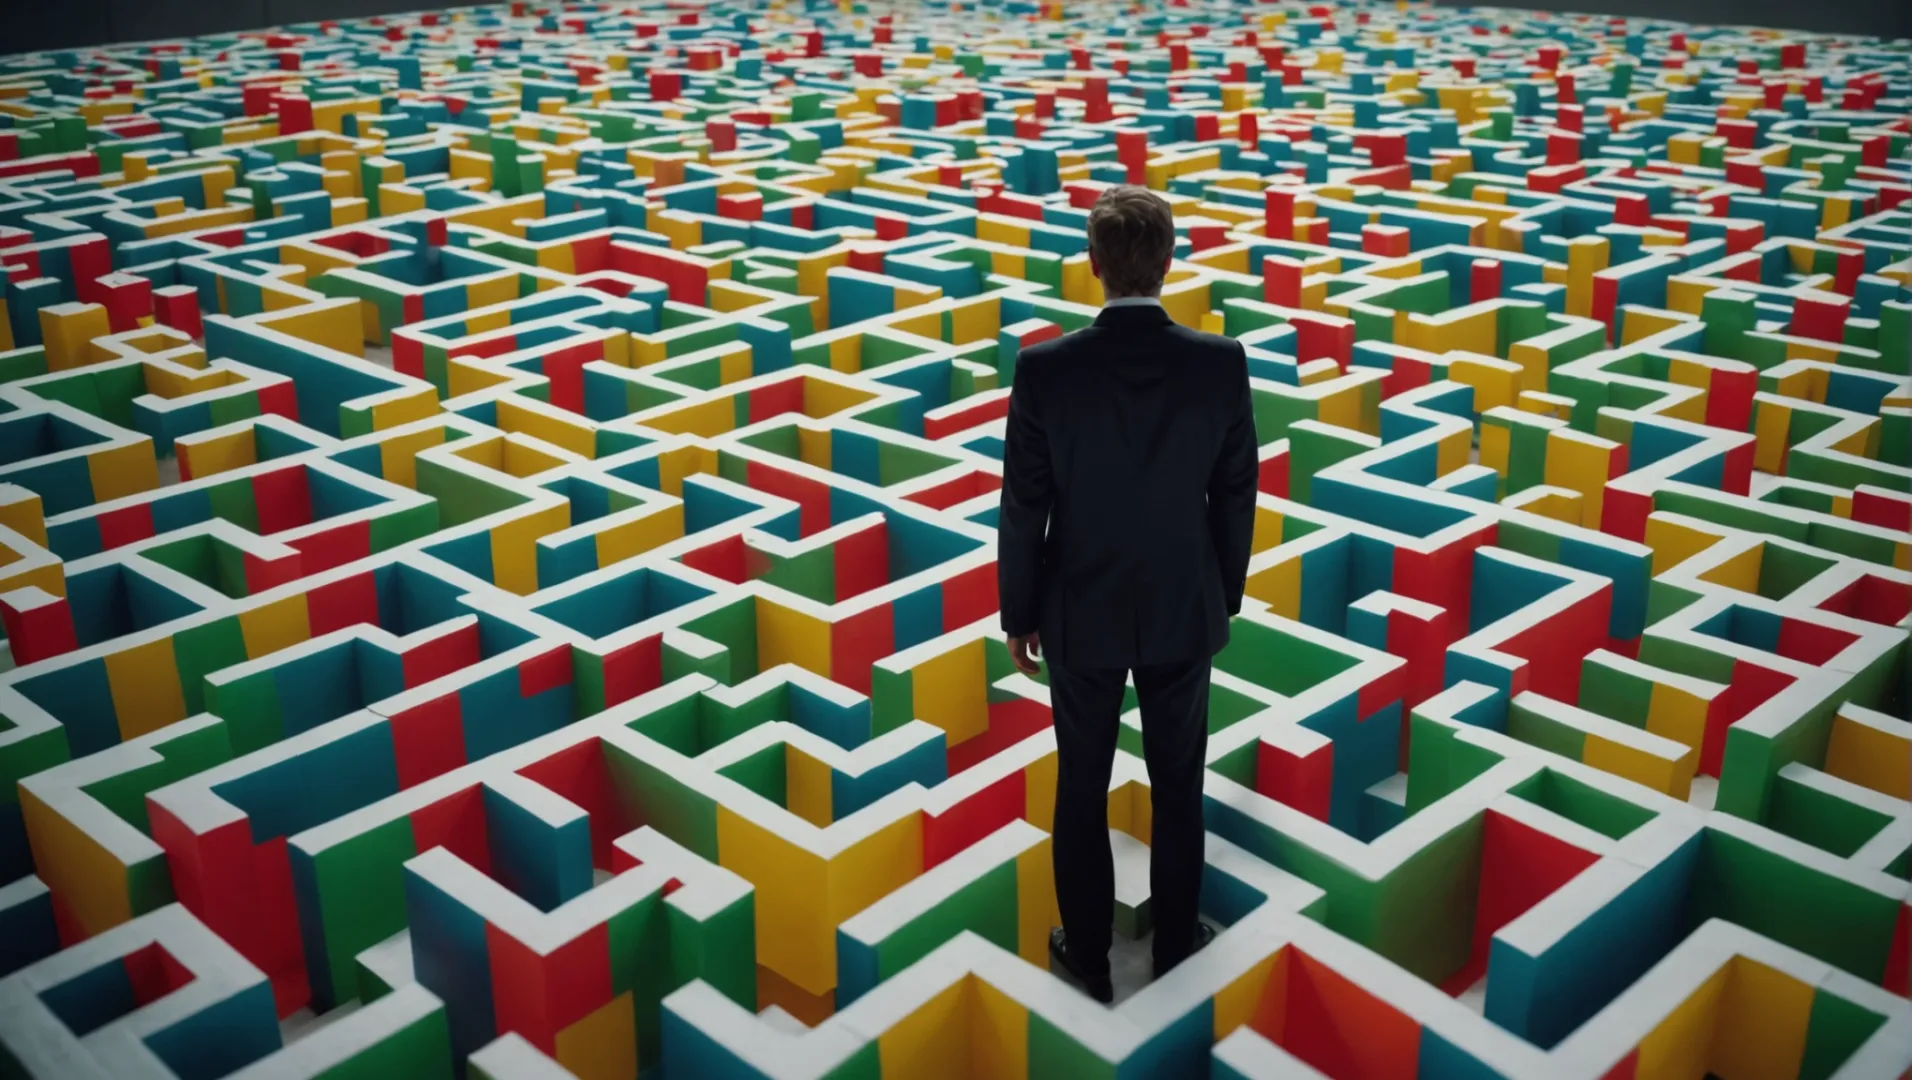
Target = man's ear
(1095,267)
(1168,262)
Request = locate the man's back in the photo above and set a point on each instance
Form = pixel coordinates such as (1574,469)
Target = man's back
(1128,504)
(1144,431)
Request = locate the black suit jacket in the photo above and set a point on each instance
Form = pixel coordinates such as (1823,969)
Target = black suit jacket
(1128,496)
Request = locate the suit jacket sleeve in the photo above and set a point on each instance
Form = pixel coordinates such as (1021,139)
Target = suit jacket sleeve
(1231,489)
(1028,492)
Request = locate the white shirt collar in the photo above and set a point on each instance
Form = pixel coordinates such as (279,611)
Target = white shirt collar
(1132,301)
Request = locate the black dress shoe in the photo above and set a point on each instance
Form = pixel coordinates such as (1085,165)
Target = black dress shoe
(1096,986)
(1204,934)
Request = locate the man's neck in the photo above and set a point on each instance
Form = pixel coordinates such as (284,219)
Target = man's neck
(1132,301)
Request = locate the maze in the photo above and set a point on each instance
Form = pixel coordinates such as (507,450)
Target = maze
(497,552)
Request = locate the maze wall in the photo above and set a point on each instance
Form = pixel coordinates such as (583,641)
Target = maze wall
(496,544)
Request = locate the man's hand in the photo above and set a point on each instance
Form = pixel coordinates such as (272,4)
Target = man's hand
(1022,649)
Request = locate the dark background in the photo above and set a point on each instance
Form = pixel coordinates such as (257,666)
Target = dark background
(1878,18)
(27,25)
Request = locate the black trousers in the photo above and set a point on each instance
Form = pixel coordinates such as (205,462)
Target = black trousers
(1087,705)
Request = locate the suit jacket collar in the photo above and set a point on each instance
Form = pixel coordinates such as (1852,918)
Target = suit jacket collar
(1135,316)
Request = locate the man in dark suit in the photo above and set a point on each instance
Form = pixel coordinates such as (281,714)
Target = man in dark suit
(1128,504)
